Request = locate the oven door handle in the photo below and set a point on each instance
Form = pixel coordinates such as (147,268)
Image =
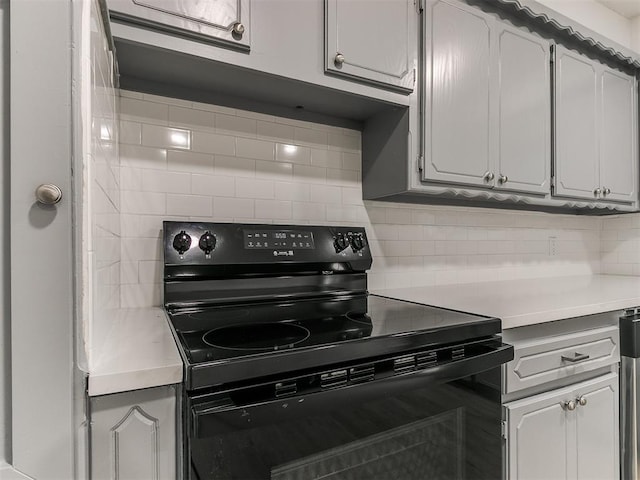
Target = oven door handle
(222,416)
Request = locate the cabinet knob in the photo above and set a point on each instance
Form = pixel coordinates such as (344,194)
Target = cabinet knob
(48,194)
(487,177)
(582,400)
(606,191)
(238,29)
(503,179)
(339,59)
(570,405)
(597,192)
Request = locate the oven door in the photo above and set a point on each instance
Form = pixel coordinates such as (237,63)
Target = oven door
(441,421)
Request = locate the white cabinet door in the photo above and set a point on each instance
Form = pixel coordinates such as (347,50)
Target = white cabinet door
(458,94)
(597,430)
(133,435)
(524,111)
(372,41)
(42,256)
(546,440)
(618,144)
(576,113)
(220,21)
(537,437)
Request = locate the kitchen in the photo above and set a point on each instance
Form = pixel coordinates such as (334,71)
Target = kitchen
(265,168)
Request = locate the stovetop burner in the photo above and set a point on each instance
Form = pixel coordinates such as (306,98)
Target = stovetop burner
(257,336)
(254,301)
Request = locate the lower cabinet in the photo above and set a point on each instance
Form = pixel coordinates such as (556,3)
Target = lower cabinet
(567,433)
(133,435)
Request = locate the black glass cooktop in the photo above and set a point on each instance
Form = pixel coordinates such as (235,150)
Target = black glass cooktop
(227,333)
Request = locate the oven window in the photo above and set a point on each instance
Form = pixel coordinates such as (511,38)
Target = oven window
(446,431)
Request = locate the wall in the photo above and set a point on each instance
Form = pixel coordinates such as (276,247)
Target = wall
(5,318)
(621,244)
(101,196)
(182,160)
(596,17)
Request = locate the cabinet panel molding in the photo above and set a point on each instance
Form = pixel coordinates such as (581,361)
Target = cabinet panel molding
(134,443)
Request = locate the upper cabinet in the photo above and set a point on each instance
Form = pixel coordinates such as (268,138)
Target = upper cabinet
(524,105)
(488,108)
(596,130)
(372,42)
(225,22)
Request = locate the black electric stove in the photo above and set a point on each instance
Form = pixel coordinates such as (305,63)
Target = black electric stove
(263,313)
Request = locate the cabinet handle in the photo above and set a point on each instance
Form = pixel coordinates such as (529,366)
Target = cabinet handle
(570,405)
(503,178)
(597,192)
(487,177)
(577,357)
(339,59)
(606,191)
(238,29)
(582,400)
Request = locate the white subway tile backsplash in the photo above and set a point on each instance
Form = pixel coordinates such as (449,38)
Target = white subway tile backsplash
(274,132)
(141,111)
(166,137)
(189,205)
(130,132)
(326,158)
(256,149)
(213,143)
(233,207)
(191,162)
(293,153)
(310,138)
(253,188)
(233,125)
(258,168)
(164,181)
(150,203)
(191,119)
(213,185)
(275,209)
(234,166)
(143,157)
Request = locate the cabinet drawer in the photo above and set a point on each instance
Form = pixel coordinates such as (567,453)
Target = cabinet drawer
(551,358)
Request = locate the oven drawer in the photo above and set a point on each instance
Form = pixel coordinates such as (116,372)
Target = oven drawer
(550,358)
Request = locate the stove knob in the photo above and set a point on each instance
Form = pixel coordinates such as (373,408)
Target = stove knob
(357,242)
(340,243)
(182,242)
(207,242)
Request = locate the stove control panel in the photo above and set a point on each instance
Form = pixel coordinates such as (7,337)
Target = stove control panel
(219,244)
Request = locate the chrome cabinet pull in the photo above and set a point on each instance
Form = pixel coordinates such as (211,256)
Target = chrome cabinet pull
(582,400)
(597,192)
(339,59)
(503,178)
(570,405)
(577,357)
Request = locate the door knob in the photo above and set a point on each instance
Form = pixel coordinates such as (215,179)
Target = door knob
(570,405)
(582,400)
(597,192)
(503,179)
(48,194)
(339,59)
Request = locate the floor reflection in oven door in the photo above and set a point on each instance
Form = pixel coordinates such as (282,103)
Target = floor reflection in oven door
(420,450)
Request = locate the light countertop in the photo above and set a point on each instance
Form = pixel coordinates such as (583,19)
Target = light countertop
(530,301)
(138,352)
